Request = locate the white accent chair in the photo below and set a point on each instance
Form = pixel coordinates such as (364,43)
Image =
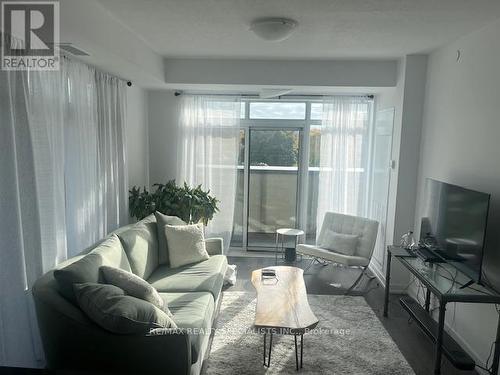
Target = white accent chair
(367,231)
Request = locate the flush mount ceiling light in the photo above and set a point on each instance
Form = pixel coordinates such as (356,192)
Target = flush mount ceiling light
(273,29)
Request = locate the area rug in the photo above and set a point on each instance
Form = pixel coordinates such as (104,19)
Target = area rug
(349,339)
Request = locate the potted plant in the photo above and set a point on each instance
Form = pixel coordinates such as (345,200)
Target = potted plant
(191,204)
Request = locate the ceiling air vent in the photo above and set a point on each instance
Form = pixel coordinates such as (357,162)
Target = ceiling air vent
(70,48)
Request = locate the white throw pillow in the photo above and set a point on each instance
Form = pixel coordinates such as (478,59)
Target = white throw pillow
(134,286)
(161,221)
(340,243)
(186,244)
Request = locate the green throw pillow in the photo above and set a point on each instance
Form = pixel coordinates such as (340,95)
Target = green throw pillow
(140,242)
(134,286)
(109,307)
(86,270)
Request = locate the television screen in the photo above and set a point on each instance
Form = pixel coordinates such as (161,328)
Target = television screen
(453,225)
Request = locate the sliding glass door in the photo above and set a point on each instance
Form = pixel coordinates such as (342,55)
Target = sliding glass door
(273,184)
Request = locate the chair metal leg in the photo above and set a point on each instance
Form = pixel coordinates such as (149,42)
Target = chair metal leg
(357,281)
(313,260)
(276,250)
(323,262)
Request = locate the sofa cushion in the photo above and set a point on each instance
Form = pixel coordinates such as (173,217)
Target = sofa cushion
(186,244)
(86,270)
(206,276)
(109,307)
(134,286)
(161,221)
(192,310)
(140,243)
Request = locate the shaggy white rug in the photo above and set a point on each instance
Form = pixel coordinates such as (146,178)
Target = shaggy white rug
(349,339)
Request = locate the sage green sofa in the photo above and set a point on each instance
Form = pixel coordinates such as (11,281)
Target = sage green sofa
(73,342)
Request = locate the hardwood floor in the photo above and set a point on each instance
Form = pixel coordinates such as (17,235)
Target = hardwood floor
(413,343)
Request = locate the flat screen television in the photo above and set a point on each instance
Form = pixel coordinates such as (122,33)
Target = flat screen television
(453,225)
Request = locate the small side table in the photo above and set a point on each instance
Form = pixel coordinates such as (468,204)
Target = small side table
(284,232)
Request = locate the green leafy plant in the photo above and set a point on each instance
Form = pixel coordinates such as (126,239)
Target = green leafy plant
(191,204)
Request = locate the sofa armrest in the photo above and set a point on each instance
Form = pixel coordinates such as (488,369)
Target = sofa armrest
(72,341)
(214,246)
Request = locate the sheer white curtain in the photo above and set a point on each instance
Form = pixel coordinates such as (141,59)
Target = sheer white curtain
(45,104)
(81,175)
(209,135)
(20,257)
(344,161)
(113,178)
(95,167)
(51,196)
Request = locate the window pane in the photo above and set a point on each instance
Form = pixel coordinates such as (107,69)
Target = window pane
(237,236)
(313,181)
(314,145)
(273,178)
(316,111)
(278,110)
(277,148)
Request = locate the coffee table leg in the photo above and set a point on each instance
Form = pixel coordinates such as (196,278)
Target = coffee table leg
(265,335)
(296,354)
(270,347)
(301,349)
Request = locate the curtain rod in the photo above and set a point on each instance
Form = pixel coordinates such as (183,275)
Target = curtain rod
(64,55)
(369,96)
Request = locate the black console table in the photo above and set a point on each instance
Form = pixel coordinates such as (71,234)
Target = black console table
(449,285)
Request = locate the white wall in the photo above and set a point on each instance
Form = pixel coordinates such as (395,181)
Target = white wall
(407,98)
(163,117)
(112,46)
(137,135)
(460,145)
(408,142)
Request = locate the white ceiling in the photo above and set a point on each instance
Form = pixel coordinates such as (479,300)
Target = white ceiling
(328,29)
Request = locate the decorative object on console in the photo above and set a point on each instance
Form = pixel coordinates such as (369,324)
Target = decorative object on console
(408,240)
